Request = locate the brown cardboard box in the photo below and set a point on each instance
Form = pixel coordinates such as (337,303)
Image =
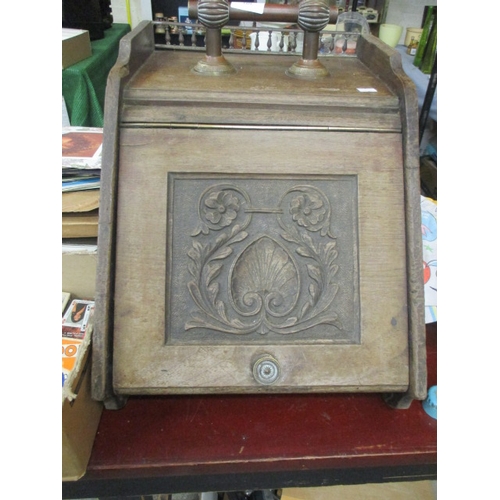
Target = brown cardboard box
(75,46)
(80,413)
(79,267)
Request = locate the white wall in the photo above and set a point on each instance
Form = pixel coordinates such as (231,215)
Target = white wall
(407,13)
(140,10)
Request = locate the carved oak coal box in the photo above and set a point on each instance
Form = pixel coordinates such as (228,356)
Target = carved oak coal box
(259,232)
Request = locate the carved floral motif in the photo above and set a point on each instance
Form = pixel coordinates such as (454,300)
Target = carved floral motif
(221,208)
(308,211)
(309,208)
(264,292)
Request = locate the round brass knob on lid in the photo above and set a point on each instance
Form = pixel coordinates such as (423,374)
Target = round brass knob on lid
(266,370)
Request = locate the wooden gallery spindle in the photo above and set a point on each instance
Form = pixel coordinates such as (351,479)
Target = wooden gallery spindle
(213,14)
(313,17)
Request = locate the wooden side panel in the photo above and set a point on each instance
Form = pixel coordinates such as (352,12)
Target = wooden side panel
(135,48)
(386,63)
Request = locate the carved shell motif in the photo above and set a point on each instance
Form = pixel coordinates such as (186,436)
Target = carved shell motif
(264,278)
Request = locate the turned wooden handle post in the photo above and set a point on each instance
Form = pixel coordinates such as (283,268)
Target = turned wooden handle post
(213,42)
(213,14)
(313,17)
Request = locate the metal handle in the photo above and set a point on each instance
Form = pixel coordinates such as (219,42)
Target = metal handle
(271,13)
(311,15)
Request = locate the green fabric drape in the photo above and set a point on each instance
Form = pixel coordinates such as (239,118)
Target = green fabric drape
(84,83)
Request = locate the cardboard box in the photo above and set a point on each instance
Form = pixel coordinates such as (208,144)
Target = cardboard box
(75,46)
(80,420)
(79,268)
(80,413)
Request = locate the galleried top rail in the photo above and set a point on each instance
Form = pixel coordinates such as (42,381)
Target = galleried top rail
(257,39)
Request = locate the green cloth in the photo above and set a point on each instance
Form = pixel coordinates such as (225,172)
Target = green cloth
(84,83)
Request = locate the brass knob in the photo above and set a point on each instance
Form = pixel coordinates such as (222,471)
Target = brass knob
(314,15)
(213,13)
(266,370)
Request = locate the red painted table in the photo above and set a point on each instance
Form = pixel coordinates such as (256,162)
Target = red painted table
(221,443)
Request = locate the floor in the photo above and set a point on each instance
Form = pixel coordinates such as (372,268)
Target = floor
(414,490)
(411,490)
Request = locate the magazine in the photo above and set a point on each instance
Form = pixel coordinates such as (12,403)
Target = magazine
(80,184)
(82,147)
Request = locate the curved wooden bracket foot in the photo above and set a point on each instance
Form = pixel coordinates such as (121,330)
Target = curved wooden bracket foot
(399,401)
(115,402)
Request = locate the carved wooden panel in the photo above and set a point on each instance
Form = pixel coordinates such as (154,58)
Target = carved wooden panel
(264,259)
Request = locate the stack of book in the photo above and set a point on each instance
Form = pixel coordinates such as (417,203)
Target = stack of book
(81,174)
